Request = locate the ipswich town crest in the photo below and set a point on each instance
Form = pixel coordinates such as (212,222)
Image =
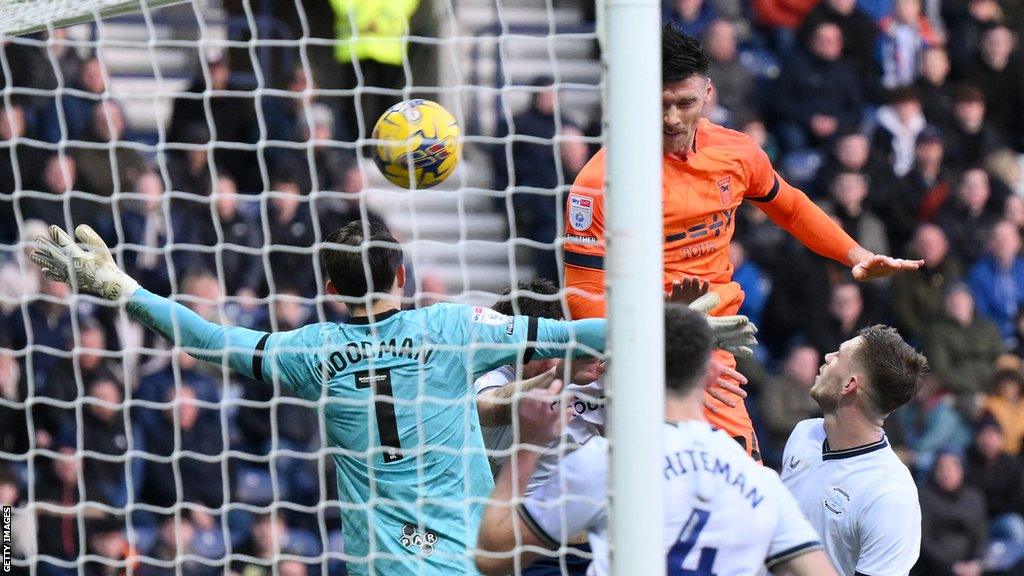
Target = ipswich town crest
(725,189)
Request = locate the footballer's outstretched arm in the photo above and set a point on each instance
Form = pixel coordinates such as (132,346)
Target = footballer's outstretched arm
(91,268)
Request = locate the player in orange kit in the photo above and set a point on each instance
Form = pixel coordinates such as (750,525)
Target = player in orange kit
(707,171)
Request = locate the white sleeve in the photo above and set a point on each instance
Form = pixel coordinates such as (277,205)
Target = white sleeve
(794,535)
(572,499)
(493,379)
(890,535)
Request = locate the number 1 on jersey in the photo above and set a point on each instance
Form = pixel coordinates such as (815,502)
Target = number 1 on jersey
(379,381)
(685,544)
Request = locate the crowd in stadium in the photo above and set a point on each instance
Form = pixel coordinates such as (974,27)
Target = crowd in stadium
(903,118)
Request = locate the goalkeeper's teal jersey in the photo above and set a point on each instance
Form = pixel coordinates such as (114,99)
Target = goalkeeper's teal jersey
(398,404)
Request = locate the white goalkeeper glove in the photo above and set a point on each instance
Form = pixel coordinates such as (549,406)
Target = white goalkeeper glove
(732,333)
(88,266)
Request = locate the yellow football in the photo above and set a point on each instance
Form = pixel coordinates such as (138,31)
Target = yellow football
(416,144)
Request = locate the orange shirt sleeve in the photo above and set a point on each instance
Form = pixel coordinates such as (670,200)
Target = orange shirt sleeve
(794,212)
(584,241)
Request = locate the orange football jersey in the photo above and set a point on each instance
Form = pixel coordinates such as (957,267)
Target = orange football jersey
(700,197)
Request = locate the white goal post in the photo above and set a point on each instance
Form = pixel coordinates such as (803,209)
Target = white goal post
(455,239)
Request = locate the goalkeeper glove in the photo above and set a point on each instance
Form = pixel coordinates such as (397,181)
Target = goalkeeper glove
(88,266)
(732,333)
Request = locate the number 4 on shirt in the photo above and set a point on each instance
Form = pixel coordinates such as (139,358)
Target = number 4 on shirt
(685,544)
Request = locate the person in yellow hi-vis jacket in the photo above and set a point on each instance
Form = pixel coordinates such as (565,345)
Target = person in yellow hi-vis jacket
(372,41)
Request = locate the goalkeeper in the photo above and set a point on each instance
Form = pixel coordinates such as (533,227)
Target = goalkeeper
(395,387)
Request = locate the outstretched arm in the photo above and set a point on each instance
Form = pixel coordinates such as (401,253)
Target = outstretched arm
(91,268)
(793,211)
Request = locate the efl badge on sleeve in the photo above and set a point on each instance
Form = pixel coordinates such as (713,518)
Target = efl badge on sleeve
(725,189)
(581,212)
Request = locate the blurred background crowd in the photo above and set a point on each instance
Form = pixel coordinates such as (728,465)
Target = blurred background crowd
(904,119)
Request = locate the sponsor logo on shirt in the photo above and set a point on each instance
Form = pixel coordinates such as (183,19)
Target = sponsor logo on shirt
(489,317)
(836,500)
(424,541)
(581,212)
(581,239)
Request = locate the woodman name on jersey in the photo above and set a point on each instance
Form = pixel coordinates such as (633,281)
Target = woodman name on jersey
(355,352)
(686,461)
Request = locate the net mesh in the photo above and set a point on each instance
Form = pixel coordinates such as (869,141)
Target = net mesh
(214,146)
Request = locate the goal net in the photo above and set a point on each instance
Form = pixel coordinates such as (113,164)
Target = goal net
(214,146)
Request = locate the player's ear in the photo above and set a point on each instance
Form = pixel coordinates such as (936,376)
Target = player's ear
(400,277)
(709,88)
(330,288)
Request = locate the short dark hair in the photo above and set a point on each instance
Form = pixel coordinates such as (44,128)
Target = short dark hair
(344,266)
(528,305)
(894,369)
(682,56)
(688,345)
(1005,375)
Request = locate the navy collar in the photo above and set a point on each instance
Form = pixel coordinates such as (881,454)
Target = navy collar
(827,454)
(379,317)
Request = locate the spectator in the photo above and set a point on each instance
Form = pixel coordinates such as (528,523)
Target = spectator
(13,390)
(846,317)
(954,534)
(786,400)
(1000,70)
(1008,169)
(153,236)
(754,127)
(108,545)
(330,161)
(19,277)
(88,363)
(933,87)
(44,324)
(819,94)
(931,424)
(269,538)
(174,541)
(917,299)
(538,171)
(905,35)
(99,172)
(962,347)
(291,228)
(899,124)
(849,192)
(853,152)
(780,19)
(967,218)
(104,433)
(926,187)
(733,81)
(235,257)
(233,114)
(183,429)
(23,174)
(997,475)
(966,19)
(971,138)
(370,52)
(860,37)
(188,171)
(1004,405)
(78,106)
(58,529)
(997,280)
(286,118)
(753,281)
(52,203)
(691,17)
